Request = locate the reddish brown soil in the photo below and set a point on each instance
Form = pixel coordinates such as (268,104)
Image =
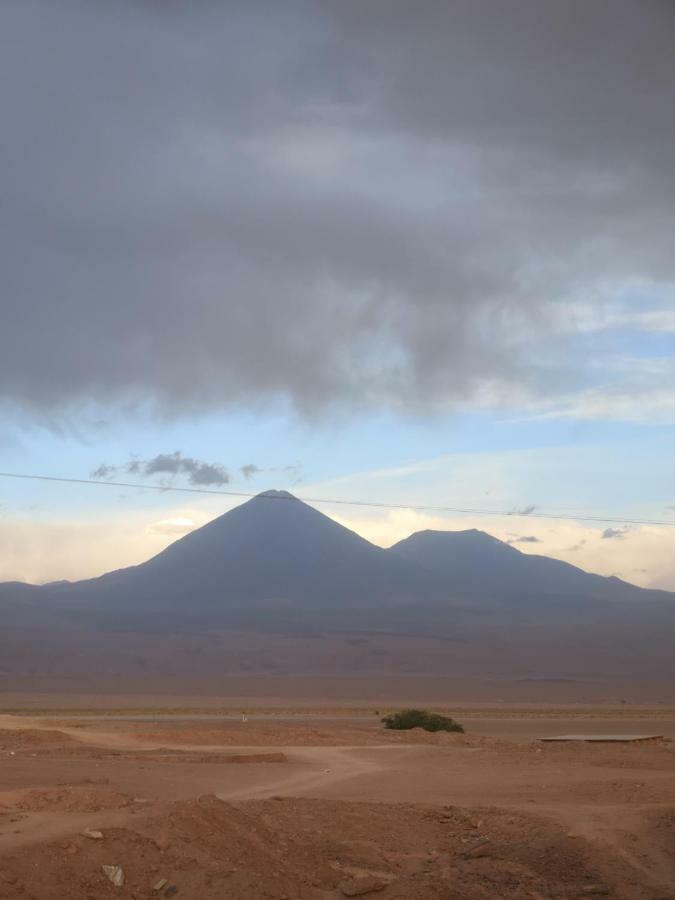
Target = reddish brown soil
(338,809)
(34,738)
(70,799)
(289,734)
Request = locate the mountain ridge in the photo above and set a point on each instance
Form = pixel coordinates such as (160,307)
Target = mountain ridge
(274,545)
(275,586)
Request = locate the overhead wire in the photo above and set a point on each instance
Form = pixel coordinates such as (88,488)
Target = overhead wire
(527,513)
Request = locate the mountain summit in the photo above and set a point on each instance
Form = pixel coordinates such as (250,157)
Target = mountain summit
(473,562)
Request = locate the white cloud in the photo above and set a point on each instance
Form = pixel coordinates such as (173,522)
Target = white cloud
(637,405)
(176,526)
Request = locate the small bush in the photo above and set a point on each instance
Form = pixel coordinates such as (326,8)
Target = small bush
(420,718)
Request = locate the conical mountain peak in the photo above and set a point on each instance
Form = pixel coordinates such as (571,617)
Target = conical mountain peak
(276,495)
(271,549)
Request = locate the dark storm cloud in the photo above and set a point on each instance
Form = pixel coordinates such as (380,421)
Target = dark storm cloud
(199,474)
(332,203)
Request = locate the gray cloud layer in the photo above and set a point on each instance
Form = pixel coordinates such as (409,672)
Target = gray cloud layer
(324,203)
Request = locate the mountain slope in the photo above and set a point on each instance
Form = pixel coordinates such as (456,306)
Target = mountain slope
(473,562)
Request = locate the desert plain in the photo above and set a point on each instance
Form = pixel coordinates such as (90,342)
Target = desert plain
(262,797)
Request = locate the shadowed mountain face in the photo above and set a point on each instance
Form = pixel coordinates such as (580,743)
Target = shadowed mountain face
(273,550)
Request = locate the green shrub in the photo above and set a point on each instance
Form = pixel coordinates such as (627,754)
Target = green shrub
(420,718)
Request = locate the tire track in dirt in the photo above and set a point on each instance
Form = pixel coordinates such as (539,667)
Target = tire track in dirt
(325,766)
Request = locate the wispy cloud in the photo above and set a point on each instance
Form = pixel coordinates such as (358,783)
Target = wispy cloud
(524,510)
(576,547)
(614,533)
(631,401)
(175,526)
(606,316)
(250,470)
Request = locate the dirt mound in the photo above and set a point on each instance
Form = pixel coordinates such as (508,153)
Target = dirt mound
(312,849)
(205,848)
(67,799)
(34,738)
(257,758)
(452,852)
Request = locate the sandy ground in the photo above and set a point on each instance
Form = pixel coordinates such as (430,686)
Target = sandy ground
(323,692)
(327,804)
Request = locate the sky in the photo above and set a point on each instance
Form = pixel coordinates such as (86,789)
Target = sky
(413,254)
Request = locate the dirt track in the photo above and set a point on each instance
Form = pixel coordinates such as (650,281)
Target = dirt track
(456,816)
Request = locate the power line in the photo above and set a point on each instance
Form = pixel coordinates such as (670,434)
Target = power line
(526,514)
